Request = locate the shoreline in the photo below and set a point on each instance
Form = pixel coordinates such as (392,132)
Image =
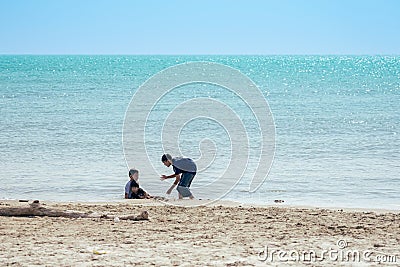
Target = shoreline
(223,234)
(208,202)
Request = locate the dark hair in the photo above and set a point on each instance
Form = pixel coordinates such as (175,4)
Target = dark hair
(132,172)
(134,184)
(166,157)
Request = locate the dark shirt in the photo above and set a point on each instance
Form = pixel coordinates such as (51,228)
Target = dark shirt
(179,171)
(139,195)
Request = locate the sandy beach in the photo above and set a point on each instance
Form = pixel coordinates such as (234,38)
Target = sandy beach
(219,234)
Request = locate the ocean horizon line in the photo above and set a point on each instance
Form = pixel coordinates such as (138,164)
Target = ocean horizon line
(201,54)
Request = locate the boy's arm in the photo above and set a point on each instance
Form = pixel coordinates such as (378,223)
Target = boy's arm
(178,178)
(127,190)
(163,177)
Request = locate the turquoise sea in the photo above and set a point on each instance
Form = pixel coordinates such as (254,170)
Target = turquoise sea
(337,122)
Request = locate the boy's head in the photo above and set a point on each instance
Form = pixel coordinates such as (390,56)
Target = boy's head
(166,159)
(135,188)
(133,174)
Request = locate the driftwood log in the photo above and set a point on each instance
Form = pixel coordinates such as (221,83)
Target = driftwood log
(35,209)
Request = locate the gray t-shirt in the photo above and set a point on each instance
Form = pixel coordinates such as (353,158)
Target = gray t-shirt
(184,164)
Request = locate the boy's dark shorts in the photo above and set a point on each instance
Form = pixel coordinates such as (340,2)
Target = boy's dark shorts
(184,184)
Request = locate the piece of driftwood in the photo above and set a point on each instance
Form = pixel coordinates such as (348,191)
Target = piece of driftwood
(35,209)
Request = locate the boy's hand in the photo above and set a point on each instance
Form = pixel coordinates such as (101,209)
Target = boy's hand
(163,177)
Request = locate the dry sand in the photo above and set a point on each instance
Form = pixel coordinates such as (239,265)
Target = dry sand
(221,234)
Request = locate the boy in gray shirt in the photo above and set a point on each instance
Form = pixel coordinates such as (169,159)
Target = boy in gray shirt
(184,171)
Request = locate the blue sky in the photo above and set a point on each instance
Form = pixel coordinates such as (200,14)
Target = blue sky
(200,27)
